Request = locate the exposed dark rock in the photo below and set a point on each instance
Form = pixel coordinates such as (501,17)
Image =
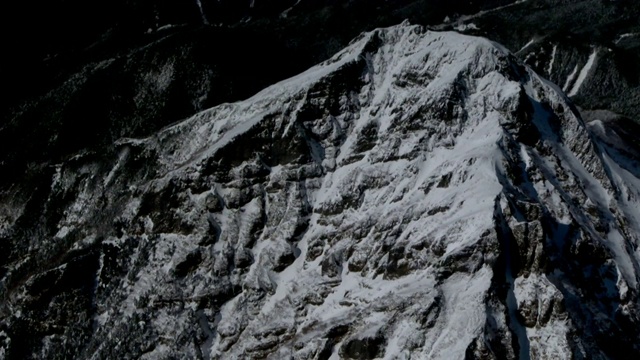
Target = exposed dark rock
(363,346)
(190,263)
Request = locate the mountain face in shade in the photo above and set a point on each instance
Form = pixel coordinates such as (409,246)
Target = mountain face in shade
(418,195)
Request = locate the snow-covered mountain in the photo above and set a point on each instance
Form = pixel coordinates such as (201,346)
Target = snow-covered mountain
(80,76)
(588,47)
(419,195)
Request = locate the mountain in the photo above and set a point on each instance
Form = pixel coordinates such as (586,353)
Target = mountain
(80,76)
(420,194)
(589,47)
(115,69)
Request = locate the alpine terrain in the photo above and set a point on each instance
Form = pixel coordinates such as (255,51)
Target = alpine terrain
(419,195)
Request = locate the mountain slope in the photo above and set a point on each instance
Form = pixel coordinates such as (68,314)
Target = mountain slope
(418,195)
(589,47)
(142,65)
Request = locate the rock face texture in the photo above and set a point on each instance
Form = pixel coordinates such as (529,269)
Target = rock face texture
(419,195)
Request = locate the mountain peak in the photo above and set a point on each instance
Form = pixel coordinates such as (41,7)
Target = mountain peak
(419,195)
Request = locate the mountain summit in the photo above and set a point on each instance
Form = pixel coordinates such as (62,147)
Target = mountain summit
(419,195)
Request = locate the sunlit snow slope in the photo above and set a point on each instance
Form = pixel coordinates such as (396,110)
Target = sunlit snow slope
(420,195)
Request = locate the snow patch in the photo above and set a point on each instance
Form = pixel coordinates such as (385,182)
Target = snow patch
(625,36)
(202,14)
(583,73)
(465,27)
(531,42)
(553,58)
(570,78)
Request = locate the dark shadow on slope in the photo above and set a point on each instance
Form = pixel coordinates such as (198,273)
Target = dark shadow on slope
(577,259)
(620,142)
(508,259)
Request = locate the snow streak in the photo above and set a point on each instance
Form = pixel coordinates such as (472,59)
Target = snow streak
(583,73)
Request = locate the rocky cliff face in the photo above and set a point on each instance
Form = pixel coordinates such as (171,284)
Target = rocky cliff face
(418,195)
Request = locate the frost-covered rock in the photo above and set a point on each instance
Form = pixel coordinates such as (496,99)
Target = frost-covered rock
(419,195)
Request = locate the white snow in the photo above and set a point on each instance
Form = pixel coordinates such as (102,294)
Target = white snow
(570,78)
(285,13)
(202,14)
(624,260)
(464,18)
(583,73)
(625,36)
(553,58)
(121,157)
(531,42)
(465,294)
(464,27)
